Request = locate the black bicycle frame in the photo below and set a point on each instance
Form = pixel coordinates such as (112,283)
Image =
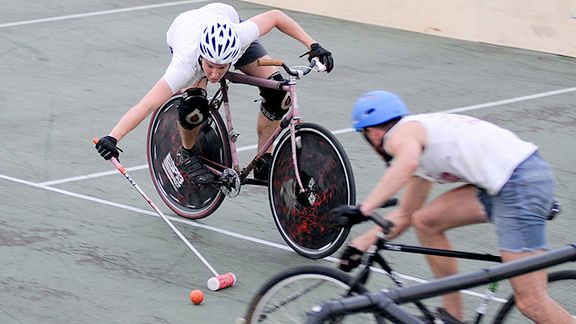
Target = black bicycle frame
(388,302)
(383,245)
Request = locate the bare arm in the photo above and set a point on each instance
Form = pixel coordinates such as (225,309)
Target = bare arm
(413,198)
(159,93)
(276,18)
(406,146)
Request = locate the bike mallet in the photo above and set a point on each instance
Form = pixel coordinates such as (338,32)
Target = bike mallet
(219,281)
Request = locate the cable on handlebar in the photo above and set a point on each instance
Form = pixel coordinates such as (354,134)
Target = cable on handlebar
(315,62)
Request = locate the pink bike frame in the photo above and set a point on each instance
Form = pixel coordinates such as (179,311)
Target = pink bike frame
(291,119)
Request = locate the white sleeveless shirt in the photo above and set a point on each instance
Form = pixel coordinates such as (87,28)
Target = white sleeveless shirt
(184,34)
(465,149)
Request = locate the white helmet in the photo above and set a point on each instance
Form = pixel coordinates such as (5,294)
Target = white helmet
(220,44)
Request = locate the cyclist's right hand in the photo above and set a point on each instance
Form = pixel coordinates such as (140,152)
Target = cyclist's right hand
(347,215)
(350,259)
(322,54)
(106,146)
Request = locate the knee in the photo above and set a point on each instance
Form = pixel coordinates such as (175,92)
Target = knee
(425,222)
(275,103)
(193,108)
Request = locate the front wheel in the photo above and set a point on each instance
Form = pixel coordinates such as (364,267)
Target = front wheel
(287,297)
(561,288)
(163,141)
(302,215)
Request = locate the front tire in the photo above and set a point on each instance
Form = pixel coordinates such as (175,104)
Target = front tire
(287,297)
(303,217)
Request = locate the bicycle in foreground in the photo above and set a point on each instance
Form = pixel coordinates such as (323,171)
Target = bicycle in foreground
(310,171)
(324,294)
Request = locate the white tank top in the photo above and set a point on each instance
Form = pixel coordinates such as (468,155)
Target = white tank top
(184,34)
(465,149)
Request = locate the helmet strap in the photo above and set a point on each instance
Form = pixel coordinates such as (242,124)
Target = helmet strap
(380,149)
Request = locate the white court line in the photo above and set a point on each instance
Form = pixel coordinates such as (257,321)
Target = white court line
(97,13)
(345,130)
(203,226)
(90,176)
(107,173)
(512,100)
(143,211)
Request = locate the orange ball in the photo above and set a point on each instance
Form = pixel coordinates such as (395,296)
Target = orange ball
(196,296)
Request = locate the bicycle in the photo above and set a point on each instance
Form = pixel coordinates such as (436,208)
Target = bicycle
(287,297)
(310,171)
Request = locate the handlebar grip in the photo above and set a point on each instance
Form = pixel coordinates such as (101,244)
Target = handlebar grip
(390,202)
(360,303)
(316,62)
(320,313)
(382,222)
(269,62)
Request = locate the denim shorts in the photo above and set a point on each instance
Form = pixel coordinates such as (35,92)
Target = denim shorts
(520,210)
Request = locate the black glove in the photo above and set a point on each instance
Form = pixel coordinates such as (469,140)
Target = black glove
(350,259)
(322,54)
(347,215)
(106,146)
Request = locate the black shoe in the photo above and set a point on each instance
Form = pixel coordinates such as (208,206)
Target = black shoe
(446,317)
(191,168)
(262,167)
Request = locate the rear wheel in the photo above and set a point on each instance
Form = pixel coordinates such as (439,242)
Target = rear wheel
(289,296)
(302,217)
(561,288)
(163,141)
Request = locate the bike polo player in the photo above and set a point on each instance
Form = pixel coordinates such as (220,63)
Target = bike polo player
(505,181)
(205,43)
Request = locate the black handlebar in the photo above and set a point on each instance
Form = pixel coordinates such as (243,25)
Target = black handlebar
(390,202)
(382,222)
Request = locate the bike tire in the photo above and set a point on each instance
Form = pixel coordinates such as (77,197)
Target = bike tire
(163,141)
(303,219)
(287,297)
(561,288)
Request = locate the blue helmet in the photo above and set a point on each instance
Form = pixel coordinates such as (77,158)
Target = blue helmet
(377,107)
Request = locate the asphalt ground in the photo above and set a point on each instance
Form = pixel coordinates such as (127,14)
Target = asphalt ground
(79,245)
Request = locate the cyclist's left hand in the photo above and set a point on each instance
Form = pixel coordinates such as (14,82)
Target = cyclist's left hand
(350,259)
(322,54)
(347,215)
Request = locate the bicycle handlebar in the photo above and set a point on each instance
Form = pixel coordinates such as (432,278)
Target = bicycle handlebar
(315,62)
(381,301)
(390,202)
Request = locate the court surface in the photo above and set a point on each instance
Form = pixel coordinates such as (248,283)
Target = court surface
(79,245)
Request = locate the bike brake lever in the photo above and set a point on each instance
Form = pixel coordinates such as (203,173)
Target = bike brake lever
(321,67)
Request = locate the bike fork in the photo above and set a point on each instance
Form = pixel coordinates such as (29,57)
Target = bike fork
(295,120)
(294,158)
(488,297)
